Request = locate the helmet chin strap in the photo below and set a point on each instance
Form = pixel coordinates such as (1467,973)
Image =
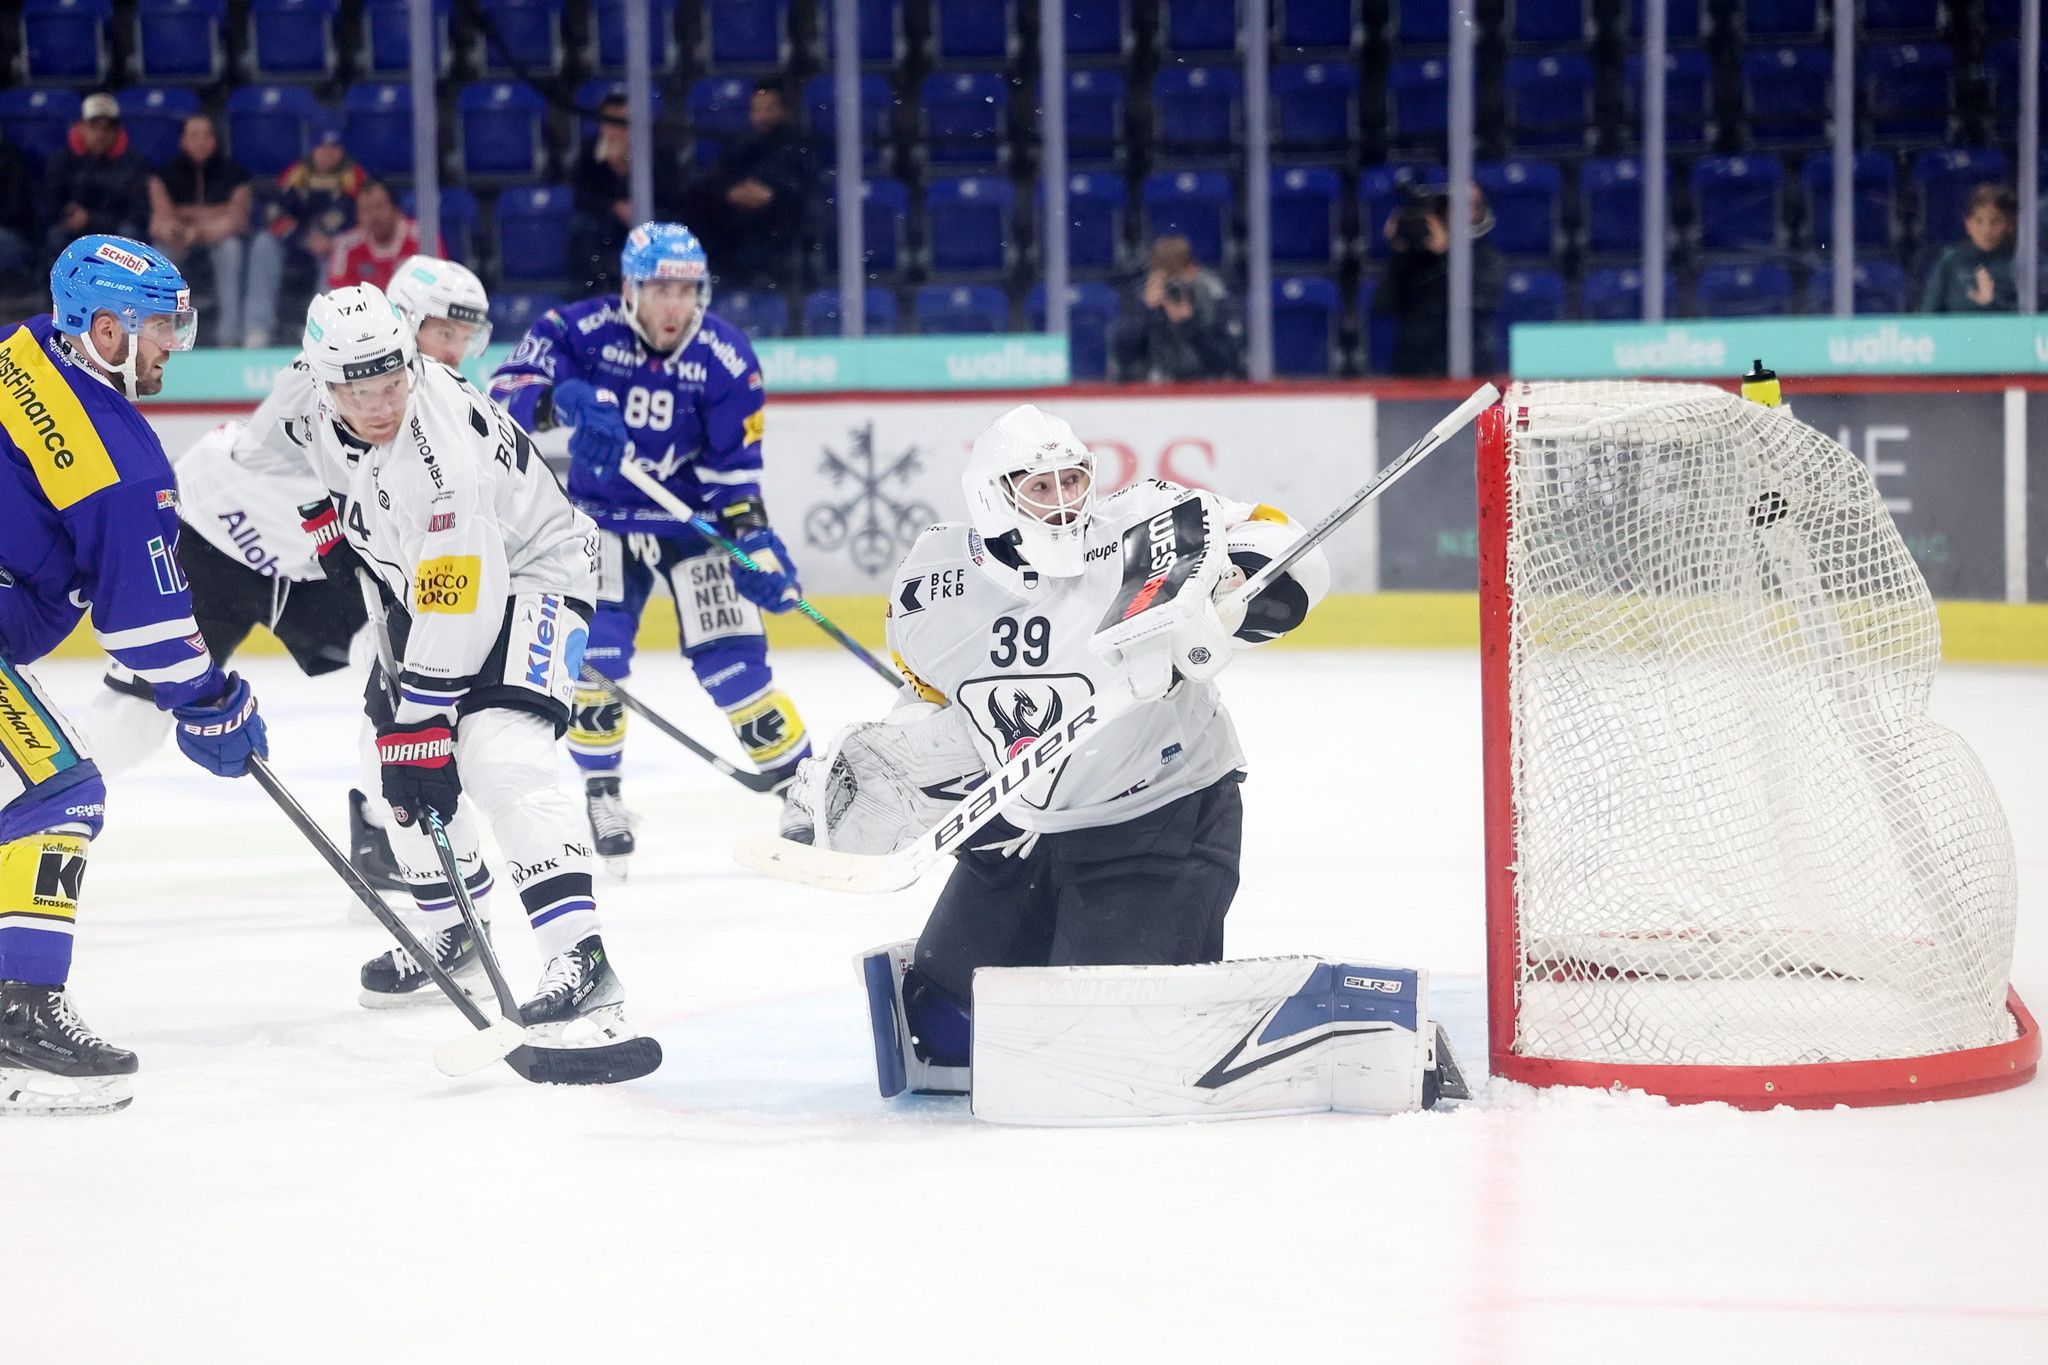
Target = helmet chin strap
(124,371)
(629,304)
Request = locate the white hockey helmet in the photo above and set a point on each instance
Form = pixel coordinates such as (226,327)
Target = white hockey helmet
(428,287)
(1022,487)
(356,333)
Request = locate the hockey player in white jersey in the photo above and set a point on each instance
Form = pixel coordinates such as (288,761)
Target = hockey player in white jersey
(1131,856)
(486,575)
(244,492)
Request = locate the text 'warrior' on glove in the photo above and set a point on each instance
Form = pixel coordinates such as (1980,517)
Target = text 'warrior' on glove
(418,769)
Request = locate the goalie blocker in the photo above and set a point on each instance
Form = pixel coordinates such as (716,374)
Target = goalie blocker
(1100,1046)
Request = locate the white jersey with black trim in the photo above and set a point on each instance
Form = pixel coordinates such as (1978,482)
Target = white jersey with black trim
(241,485)
(1016,661)
(455,516)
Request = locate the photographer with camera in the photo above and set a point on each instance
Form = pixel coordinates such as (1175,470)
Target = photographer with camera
(1416,290)
(1178,324)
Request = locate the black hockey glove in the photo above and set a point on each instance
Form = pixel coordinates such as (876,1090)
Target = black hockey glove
(419,769)
(338,558)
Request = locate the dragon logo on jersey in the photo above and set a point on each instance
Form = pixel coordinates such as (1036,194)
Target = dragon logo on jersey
(1028,716)
(1013,711)
(875,526)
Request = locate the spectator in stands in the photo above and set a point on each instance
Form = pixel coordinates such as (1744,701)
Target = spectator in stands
(315,199)
(1178,324)
(20,232)
(98,183)
(749,210)
(604,201)
(1416,292)
(1976,276)
(382,237)
(203,202)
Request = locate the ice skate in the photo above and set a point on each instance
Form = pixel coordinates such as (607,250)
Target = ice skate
(51,1062)
(369,848)
(580,1000)
(611,824)
(392,980)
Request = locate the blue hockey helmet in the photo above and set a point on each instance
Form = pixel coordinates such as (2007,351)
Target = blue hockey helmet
(663,251)
(133,281)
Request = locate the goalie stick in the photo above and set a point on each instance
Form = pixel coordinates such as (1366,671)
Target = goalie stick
(675,507)
(871,873)
(746,777)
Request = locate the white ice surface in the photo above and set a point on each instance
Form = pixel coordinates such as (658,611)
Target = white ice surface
(295,1182)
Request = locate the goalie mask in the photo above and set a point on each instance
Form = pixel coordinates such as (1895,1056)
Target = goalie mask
(1030,484)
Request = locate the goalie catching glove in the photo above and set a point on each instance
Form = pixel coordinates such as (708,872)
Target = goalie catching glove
(880,783)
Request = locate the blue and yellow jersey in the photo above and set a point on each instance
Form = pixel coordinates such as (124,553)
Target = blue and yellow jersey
(89,522)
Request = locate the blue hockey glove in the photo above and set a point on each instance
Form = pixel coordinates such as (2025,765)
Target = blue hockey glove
(772,587)
(600,437)
(220,735)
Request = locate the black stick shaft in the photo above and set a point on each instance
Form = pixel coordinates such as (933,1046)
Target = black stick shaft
(752,781)
(452,870)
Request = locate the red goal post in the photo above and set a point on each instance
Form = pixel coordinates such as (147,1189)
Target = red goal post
(1645,944)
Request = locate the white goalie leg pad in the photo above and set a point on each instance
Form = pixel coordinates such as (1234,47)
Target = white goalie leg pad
(1100,1046)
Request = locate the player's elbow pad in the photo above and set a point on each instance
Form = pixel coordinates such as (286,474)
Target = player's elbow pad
(1285,603)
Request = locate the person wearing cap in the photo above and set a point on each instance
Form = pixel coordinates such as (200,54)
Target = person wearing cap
(98,183)
(203,204)
(313,203)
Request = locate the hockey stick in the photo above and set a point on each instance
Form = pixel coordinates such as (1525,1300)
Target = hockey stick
(675,507)
(460,1056)
(868,873)
(746,777)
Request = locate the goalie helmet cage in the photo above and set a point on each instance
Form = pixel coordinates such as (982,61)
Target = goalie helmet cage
(1729,857)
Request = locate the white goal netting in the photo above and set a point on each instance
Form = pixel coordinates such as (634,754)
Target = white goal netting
(1740,840)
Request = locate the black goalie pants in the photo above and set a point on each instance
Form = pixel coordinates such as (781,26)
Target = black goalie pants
(1153,889)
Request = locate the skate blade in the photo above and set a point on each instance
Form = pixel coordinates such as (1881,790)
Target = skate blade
(605,1024)
(616,868)
(26,1093)
(471,978)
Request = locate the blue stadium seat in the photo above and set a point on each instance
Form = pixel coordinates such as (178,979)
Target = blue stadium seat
(1549,21)
(880,25)
(1550,100)
(291,38)
(1194,204)
(1788,93)
(1315,106)
(1305,314)
(1380,191)
(1908,89)
(956,308)
(821,112)
(1418,100)
(1095,29)
(270,125)
(1091,313)
(66,40)
(458,220)
(747,32)
(611,35)
(1742,291)
(1532,296)
(1781,18)
(1095,116)
(512,312)
(1611,203)
(718,114)
(37,120)
(178,40)
(502,129)
(1946,176)
(523,33)
(1524,196)
(590,97)
(1616,295)
(155,118)
(376,126)
(1681,21)
(1305,203)
(1314,24)
(1898,16)
(533,233)
(1739,201)
(974,30)
(1199,26)
(1376,332)
(1873,197)
(1195,109)
(968,222)
(757,312)
(821,312)
(1095,221)
(387,35)
(964,114)
(885,206)
(2002,79)
(1688,96)
(2001,15)
(1423,23)
(1881,287)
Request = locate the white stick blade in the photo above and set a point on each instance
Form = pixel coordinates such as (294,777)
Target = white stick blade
(856,873)
(475,1051)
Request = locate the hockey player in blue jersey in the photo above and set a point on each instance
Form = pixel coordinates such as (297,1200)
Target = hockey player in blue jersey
(88,522)
(654,376)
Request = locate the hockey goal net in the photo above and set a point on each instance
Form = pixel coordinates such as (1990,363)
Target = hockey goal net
(1730,857)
